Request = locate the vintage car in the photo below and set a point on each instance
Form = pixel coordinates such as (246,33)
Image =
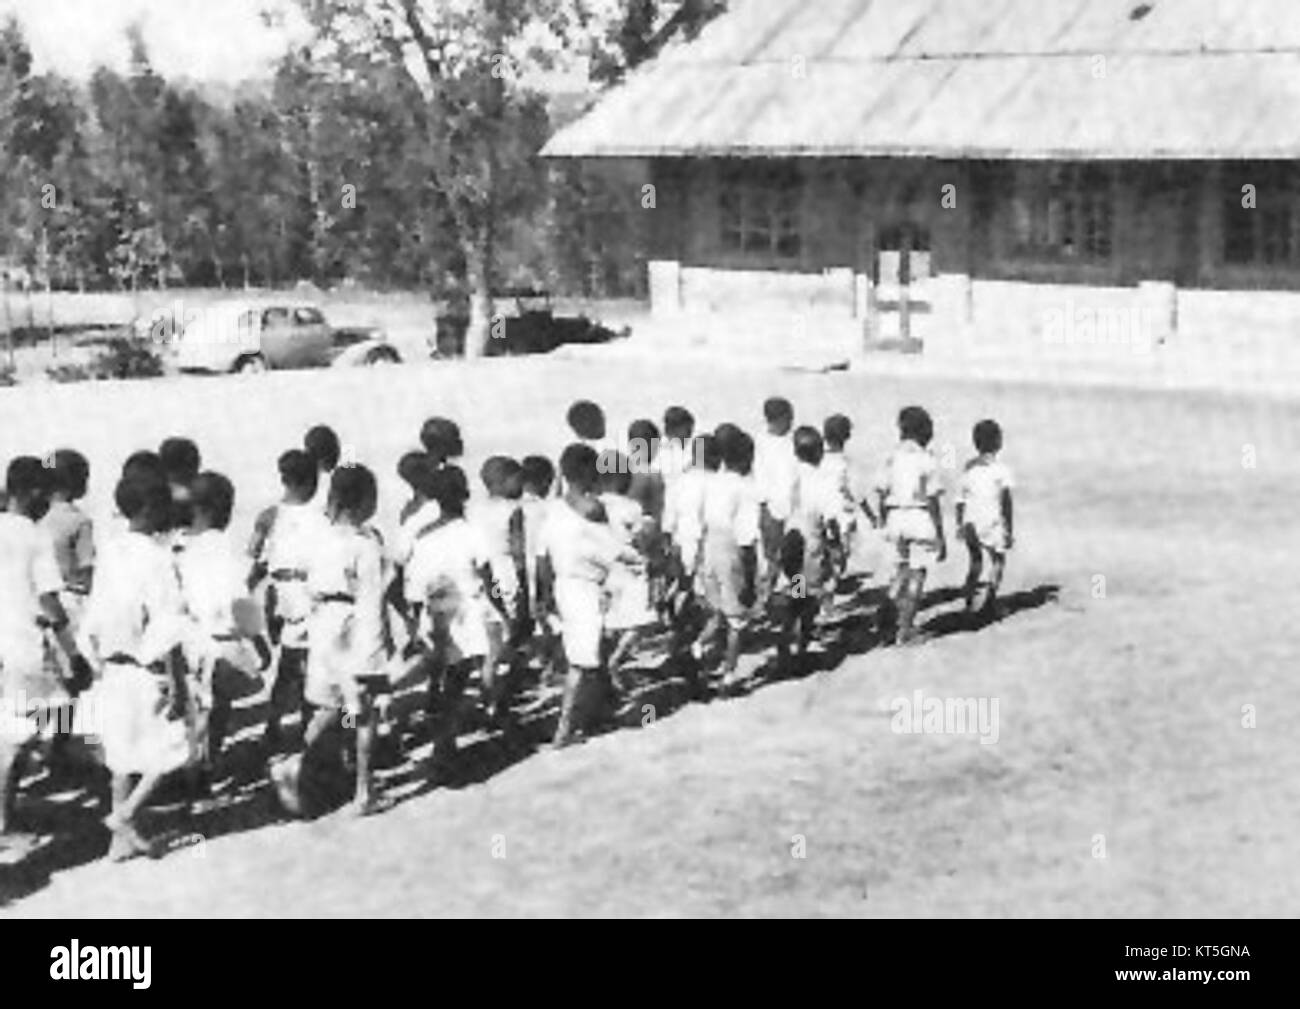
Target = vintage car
(527,324)
(257,337)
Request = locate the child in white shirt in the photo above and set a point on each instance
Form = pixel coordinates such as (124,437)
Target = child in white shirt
(908,490)
(579,549)
(224,649)
(133,628)
(628,613)
(451,571)
(30,683)
(984,518)
(285,538)
(729,555)
(774,479)
(812,541)
(350,647)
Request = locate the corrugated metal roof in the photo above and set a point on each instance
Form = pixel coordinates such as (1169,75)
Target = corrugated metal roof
(965,78)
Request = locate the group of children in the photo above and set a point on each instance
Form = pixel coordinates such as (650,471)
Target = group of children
(153,629)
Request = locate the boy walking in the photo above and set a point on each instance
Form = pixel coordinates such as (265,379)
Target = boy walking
(984,518)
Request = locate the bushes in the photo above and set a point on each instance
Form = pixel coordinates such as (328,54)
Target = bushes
(119,357)
(123,357)
(69,373)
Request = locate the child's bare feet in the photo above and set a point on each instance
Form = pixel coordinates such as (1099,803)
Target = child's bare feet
(127,842)
(370,804)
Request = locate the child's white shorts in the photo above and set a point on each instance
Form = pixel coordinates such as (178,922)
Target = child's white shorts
(582,621)
(911,530)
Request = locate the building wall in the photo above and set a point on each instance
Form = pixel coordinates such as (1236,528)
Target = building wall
(1166,226)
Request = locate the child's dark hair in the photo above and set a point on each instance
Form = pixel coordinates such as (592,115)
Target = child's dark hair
(808,445)
(322,444)
(142,493)
(298,472)
(451,490)
(987,437)
(615,474)
(578,466)
(180,459)
(587,420)
(145,462)
(837,430)
(778,410)
(441,439)
(71,473)
(708,452)
(503,476)
(538,474)
(354,492)
(679,422)
(414,469)
(214,496)
(724,433)
(26,476)
(738,453)
(914,424)
(642,443)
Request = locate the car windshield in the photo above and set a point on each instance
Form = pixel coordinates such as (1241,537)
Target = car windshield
(308,317)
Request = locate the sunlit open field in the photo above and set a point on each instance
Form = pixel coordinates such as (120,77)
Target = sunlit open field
(1145,762)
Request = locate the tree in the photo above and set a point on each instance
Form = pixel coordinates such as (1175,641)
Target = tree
(475,66)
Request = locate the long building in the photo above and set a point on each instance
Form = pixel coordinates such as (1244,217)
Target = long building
(870,170)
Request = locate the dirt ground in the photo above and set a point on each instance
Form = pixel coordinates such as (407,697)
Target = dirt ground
(1145,682)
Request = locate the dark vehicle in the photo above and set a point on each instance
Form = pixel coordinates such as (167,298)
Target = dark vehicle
(529,325)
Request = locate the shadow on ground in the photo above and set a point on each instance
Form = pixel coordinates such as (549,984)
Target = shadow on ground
(60,815)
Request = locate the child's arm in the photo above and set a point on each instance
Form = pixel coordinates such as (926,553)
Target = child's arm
(545,585)
(1007,516)
(493,592)
(395,595)
(55,618)
(83,550)
(257,547)
(519,558)
(749,567)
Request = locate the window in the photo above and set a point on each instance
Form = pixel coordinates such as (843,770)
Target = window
(275,317)
(1065,213)
(1267,234)
(760,212)
(308,317)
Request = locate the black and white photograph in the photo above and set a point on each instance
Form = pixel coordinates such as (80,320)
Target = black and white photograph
(624,459)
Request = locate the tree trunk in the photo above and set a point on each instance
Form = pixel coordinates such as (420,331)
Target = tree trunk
(478,274)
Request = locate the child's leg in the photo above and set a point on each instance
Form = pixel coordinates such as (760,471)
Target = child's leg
(808,611)
(732,657)
(281,693)
(627,641)
(9,753)
(997,564)
(975,572)
(572,705)
(451,696)
(787,618)
(314,777)
(909,604)
(126,840)
(367,727)
(712,627)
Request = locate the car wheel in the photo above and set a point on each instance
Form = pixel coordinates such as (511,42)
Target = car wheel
(383,355)
(250,364)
